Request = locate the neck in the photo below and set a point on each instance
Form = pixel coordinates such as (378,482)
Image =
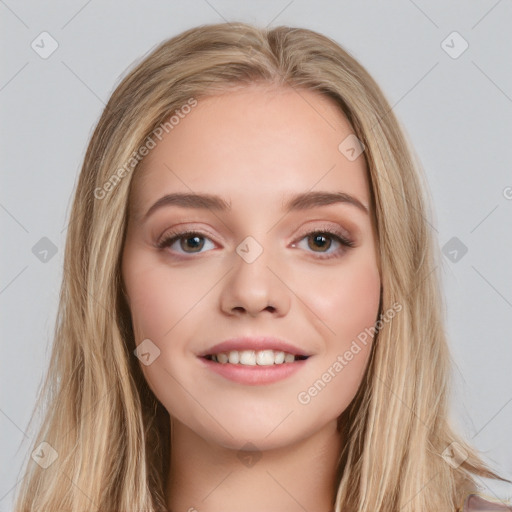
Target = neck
(207,477)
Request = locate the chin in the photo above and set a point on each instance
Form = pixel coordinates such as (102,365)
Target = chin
(265,429)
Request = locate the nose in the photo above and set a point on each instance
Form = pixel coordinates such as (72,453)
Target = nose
(252,287)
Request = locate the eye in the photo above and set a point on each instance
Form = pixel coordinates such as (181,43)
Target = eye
(321,239)
(188,240)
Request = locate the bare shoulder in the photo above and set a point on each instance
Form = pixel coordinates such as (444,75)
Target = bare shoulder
(475,503)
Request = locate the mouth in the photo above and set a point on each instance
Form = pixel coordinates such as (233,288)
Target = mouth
(254,360)
(255,357)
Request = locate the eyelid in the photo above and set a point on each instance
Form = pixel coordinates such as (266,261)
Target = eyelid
(177,231)
(329,228)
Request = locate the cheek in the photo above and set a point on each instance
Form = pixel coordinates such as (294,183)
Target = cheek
(159,302)
(159,297)
(346,300)
(348,305)
(148,302)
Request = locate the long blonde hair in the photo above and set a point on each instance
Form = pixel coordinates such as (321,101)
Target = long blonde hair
(110,432)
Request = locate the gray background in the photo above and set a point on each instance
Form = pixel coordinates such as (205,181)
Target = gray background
(456,111)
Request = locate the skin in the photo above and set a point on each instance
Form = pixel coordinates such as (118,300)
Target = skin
(255,147)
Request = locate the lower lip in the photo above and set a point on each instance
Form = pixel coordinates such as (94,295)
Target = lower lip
(254,375)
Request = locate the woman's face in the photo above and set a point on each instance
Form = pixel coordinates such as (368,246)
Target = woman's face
(260,263)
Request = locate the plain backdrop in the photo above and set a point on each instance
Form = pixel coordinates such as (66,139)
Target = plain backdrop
(445,68)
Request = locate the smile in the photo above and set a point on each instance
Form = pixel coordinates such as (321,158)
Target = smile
(255,357)
(253,367)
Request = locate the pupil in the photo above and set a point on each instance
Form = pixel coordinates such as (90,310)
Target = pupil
(196,245)
(318,238)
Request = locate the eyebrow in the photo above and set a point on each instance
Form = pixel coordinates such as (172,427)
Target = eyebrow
(298,202)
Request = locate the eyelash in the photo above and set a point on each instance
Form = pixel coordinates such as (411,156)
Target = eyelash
(173,236)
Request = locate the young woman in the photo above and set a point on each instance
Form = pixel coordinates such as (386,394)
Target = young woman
(250,317)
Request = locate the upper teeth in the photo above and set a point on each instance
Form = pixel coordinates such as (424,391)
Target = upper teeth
(254,357)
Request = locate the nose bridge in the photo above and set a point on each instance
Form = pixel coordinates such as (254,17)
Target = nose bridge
(252,284)
(250,268)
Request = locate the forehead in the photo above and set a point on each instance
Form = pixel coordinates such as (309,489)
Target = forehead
(252,142)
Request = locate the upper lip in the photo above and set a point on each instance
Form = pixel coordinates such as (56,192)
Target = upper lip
(254,343)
